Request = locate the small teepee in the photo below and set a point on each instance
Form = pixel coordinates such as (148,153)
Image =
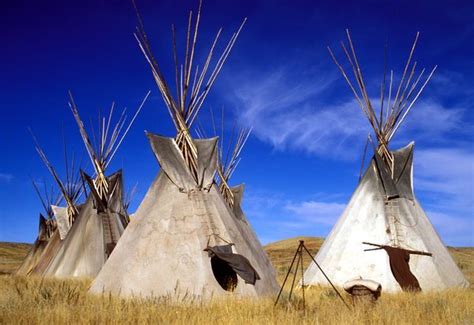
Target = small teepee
(71,190)
(47,226)
(383,234)
(103,217)
(184,240)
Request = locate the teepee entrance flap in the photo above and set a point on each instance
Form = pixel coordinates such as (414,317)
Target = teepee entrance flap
(240,264)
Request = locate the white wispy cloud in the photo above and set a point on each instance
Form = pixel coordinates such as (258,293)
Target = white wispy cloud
(260,203)
(285,112)
(291,113)
(430,122)
(448,171)
(448,82)
(276,217)
(5,177)
(454,229)
(323,213)
(444,177)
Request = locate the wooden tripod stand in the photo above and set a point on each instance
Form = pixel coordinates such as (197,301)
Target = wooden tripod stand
(299,265)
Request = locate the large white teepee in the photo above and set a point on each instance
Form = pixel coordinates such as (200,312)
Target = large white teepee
(383,234)
(184,239)
(103,218)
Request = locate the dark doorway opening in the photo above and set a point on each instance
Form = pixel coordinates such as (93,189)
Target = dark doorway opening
(224,274)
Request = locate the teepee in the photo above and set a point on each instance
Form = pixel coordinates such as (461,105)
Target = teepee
(383,234)
(47,226)
(103,217)
(71,190)
(184,240)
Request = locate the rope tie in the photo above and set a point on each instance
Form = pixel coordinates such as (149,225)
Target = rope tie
(71,212)
(387,155)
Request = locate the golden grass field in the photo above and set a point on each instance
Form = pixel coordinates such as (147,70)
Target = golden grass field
(36,301)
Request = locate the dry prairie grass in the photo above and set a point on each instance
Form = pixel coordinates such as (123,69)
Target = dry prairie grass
(36,301)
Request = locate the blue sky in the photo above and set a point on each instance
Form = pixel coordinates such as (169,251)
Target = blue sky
(301,164)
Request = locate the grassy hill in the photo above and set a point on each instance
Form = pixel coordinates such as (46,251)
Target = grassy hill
(281,253)
(11,256)
(464,257)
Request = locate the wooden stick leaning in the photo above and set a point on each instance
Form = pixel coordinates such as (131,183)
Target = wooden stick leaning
(185,107)
(392,116)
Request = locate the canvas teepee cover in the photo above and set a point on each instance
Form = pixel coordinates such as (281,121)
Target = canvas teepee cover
(102,218)
(47,226)
(184,240)
(383,234)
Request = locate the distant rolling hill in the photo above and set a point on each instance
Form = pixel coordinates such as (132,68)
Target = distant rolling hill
(11,256)
(281,253)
